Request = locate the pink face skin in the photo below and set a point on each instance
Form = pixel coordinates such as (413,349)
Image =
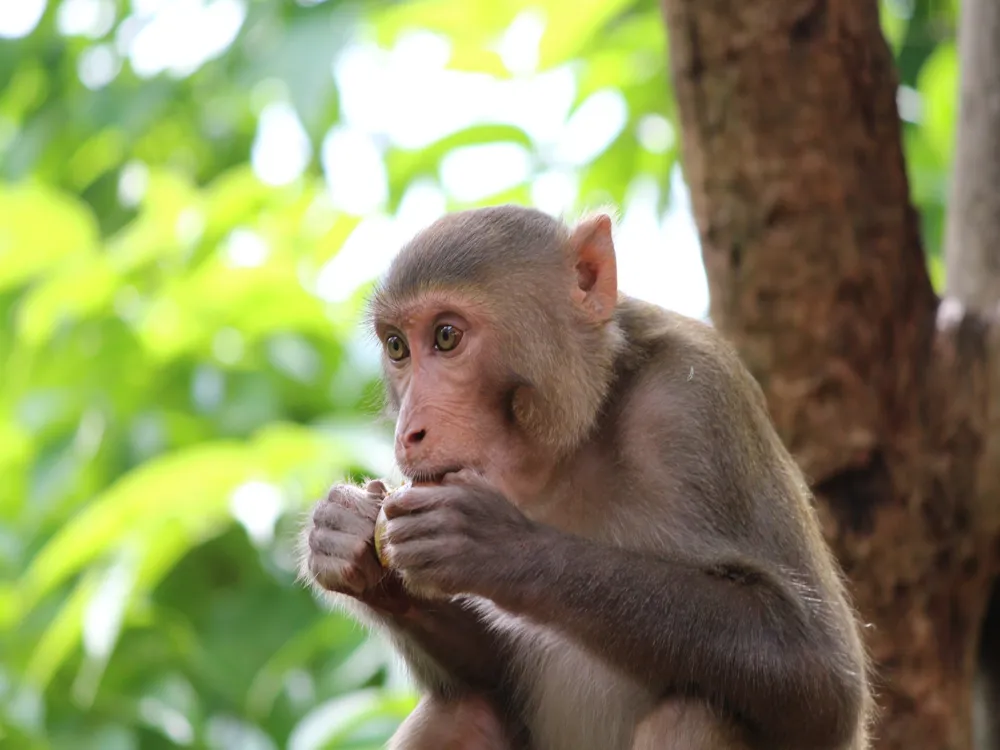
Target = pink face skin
(451,412)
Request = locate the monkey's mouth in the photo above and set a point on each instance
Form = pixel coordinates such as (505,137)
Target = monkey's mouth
(431,476)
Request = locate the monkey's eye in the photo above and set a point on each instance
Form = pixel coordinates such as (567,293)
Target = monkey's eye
(396,348)
(446,338)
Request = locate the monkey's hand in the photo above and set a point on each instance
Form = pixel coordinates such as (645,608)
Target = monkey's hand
(451,538)
(341,553)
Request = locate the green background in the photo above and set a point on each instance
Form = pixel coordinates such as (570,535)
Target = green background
(169,409)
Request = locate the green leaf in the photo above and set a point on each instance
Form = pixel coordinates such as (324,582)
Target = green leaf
(155,514)
(16,453)
(63,633)
(234,198)
(473,23)
(936,269)
(571,27)
(97,156)
(406,166)
(893,24)
(170,211)
(326,635)
(937,86)
(609,175)
(84,286)
(471,57)
(331,723)
(192,488)
(39,228)
(256,301)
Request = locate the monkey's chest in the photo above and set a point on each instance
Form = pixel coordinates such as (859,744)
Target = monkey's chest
(576,701)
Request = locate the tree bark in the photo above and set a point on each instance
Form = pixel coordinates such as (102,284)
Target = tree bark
(791,148)
(973,223)
(973,262)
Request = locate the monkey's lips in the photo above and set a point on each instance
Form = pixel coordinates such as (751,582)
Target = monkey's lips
(430,476)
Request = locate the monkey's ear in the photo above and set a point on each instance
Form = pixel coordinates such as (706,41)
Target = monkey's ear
(593,250)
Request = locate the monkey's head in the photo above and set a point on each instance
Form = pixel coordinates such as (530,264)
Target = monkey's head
(498,333)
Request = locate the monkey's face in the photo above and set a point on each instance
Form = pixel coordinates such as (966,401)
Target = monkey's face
(447,387)
(499,343)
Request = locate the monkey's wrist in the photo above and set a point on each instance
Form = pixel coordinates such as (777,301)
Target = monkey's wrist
(511,578)
(389,597)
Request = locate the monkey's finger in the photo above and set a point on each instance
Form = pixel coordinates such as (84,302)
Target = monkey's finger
(412,500)
(420,554)
(343,563)
(371,570)
(343,577)
(434,565)
(339,544)
(358,520)
(377,487)
(345,494)
(417,526)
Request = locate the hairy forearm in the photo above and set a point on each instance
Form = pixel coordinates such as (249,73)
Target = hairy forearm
(456,638)
(451,633)
(737,634)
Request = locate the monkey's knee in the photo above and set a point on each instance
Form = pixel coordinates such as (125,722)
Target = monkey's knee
(467,723)
(679,724)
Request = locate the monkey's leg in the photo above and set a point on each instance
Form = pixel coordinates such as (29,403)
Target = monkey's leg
(686,725)
(468,723)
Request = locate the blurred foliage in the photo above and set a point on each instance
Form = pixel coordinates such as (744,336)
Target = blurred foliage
(175,388)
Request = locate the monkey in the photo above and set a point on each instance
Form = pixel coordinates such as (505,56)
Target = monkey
(603,543)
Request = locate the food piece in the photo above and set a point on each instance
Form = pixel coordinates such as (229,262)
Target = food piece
(380,523)
(381,520)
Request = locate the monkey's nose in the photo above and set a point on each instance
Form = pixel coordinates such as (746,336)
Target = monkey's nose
(410,442)
(414,438)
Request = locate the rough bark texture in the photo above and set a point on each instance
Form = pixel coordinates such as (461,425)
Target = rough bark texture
(973,262)
(888,398)
(971,249)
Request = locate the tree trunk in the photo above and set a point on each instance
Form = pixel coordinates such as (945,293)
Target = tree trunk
(886,396)
(973,222)
(973,263)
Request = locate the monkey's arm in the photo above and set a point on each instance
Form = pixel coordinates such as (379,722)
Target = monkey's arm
(728,629)
(455,636)
(445,641)
(728,626)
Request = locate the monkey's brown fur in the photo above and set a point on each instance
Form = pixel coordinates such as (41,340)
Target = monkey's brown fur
(619,552)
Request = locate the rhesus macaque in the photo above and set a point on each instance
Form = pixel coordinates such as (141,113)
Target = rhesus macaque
(606,546)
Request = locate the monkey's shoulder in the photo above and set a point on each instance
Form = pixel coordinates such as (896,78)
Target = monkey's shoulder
(666,345)
(679,377)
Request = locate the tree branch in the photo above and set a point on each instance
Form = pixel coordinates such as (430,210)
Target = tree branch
(973,222)
(966,386)
(791,145)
